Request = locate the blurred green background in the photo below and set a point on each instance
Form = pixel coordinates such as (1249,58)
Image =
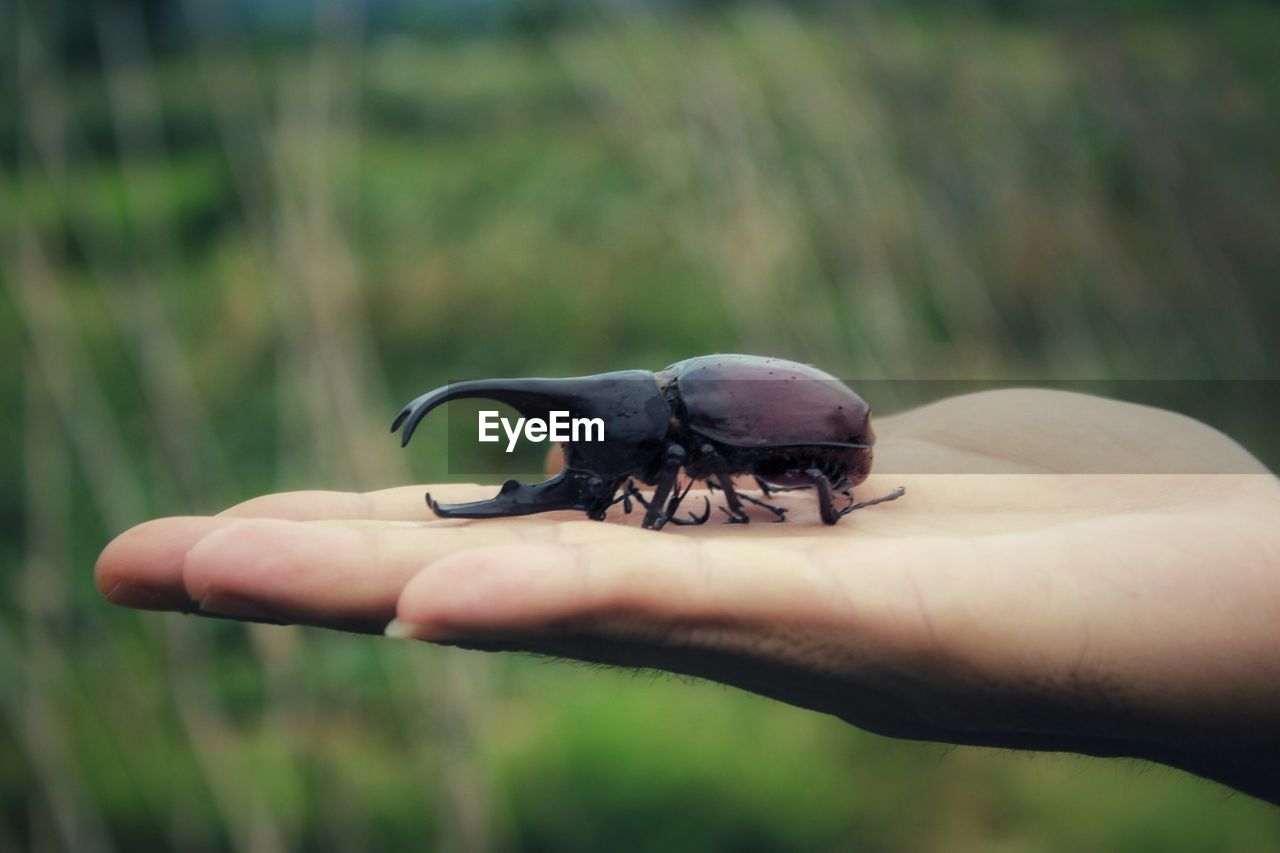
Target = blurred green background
(235,240)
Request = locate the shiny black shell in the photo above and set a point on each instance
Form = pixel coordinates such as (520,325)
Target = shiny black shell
(772,417)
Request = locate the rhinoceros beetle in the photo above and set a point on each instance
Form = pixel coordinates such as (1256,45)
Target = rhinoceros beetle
(790,426)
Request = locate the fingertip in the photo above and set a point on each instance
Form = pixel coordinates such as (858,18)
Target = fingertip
(142,567)
(247,550)
(314,573)
(498,588)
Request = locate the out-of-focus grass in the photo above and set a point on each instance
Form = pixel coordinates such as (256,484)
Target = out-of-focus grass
(224,270)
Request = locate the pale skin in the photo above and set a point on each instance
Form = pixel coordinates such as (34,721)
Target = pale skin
(1021,605)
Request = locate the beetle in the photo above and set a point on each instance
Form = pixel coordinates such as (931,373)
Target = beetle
(789,425)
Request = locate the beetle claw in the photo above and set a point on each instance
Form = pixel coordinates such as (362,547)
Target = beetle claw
(694,520)
(706,513)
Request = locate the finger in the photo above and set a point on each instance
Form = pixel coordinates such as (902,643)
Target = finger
(402,503)
(890,635)
(276,570)
(142,567)
(337,574)
(329,572)
(773,620)
(678,588)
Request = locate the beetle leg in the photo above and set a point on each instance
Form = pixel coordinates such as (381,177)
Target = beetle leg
(654,519)
(826,506)
(842,486)
(629,491)
(624,499)
(674,504)
(694,520)
(636,493)
(892,496)
(676,496)
(780,512)
(714,464)
(737,515)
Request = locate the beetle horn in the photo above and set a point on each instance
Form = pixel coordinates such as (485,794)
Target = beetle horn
(569,489)
(583,395)
(529,397)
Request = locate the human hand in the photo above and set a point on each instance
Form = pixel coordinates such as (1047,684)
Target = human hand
(1019,605)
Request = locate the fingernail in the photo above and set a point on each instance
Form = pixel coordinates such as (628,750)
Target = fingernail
(398,630)
(238,607)
(139,597)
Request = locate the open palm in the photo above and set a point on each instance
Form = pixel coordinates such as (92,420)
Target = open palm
(1006,600)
